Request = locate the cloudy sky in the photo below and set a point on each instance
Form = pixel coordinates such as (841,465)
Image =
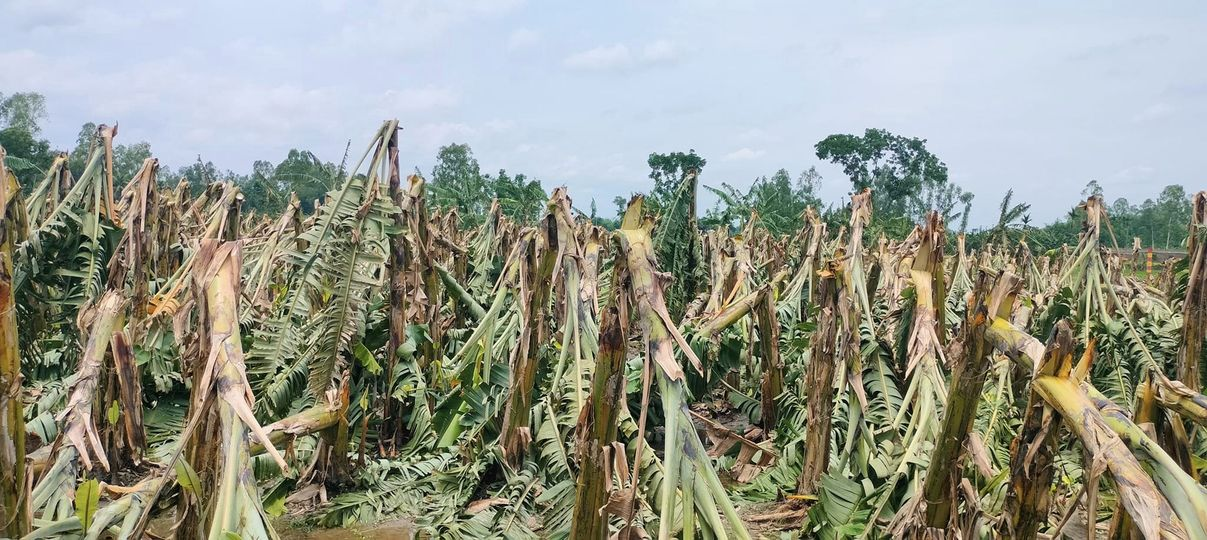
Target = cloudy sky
(1038,97)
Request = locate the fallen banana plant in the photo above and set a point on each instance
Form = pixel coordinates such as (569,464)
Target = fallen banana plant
(167,354)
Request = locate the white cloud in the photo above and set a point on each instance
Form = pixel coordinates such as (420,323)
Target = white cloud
(601,58)
(194,111)
(25,70)
(426,24)
(522,39)
(620,56)
(568,167)
(64,16)
(418,99)
(744,154)
(756,135)
(1153,112)
(1133,173)
(660,52)
(497,125)
(432,135)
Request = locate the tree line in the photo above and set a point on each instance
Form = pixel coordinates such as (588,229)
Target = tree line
(906,179)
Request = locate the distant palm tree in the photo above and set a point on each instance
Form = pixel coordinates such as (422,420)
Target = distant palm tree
(1008,215)
(966,200)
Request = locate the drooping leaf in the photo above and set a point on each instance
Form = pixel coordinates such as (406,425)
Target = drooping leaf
(187,477)
(87,500)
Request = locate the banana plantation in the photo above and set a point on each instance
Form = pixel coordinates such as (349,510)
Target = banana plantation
(174,367)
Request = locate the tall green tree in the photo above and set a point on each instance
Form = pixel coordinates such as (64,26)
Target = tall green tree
(667,171)
(262,191)
(23,110)
(127,160)
(1010,214)
(77,158)
(198,174)
(29,155)
(966,200)
(303,173)
(906,179)
(520,199)
(1161,222)
(677,240)
(457,182)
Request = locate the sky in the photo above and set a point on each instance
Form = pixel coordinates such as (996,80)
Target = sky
(1041,97)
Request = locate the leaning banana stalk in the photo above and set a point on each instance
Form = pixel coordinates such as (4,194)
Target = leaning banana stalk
(1176,397)
(941,489)
(820,377)
(13,519)
(1138,494)
(321,417)
(686,463)
(79,439)
(236,505)
(457,292)
(1032,454)
(772,383)
(1185,495)
(535,289)
(597,425)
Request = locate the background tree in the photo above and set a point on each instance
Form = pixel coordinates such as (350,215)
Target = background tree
(77,158)
(1092,189)
(520,199)
(906,179)
(1010,214)
(1158,222)
(609,224)
(677,242)
(303,173)
(966,200)
(262,190)
(29,155)
(457,182)
(1168,214)
(778,200)
(667,171)
(127,158)
(198,174)
(23,110)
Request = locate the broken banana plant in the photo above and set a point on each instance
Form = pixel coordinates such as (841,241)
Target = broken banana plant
(687,468)
(13,520)
(224,400)
(555,379)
